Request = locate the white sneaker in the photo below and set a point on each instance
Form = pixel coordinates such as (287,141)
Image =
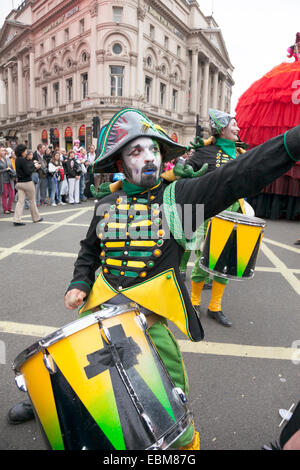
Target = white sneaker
(54,204)
(61,203)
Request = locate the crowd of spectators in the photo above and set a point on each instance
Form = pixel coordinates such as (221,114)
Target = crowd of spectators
(59,177)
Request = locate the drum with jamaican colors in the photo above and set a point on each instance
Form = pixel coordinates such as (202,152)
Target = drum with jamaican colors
(99,384)
(231,245)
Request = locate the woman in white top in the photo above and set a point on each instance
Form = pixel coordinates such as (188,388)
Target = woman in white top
(56,171)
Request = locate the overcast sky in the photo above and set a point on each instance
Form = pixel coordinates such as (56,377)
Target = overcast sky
(256,32)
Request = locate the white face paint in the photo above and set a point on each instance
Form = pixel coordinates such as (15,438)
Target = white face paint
(142,161)
(231,132)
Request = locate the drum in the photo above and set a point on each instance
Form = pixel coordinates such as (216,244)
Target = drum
(99,384)
(231,245)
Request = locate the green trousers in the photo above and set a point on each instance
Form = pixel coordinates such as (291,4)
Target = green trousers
(168,350)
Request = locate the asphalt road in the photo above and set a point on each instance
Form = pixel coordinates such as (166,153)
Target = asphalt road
(239,377)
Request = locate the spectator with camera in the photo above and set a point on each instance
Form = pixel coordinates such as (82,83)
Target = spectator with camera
(56,173)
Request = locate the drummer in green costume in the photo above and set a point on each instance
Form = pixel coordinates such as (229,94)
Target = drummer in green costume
(223,149)
(144,267)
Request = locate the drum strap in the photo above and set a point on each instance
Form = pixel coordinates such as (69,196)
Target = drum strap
(173,219)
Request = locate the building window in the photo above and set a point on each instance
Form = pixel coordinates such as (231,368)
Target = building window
(84,85)
(56,93)
(152,31)
(148,82)
(162,94)
(67,34)
(174,99)
(81,26)
(42,48)
(166,42)
(117,48)
(116,81)
(149,61)
(69,84)
(117,14)
(45,97)
(84,57)
(53,42)
(163,69)
(178,51)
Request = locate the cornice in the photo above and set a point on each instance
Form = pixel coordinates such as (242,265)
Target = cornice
(167,13)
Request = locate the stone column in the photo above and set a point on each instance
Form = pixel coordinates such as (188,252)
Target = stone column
(223,94)
(2,95)
(93,74)
(32,102)
(205,91)
(10,91)
(20,85)
(199,95)
(140,57)
(132,73)
(215,89)
(194,82)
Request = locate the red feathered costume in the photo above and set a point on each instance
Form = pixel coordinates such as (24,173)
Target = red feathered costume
(268,108)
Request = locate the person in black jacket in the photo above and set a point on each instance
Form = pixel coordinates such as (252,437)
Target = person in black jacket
(25,186)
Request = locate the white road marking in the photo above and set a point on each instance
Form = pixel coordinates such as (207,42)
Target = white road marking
(282,245)
(237,350)
(37,236)
(203,347)
(286,272)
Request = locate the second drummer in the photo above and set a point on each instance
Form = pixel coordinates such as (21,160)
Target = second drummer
(223,148)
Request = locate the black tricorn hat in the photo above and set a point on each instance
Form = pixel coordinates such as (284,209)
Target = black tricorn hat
(125,126)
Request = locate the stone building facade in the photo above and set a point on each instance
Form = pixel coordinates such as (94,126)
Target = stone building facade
(64,62)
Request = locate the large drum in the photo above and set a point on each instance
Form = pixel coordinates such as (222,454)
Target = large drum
(231,245)
(99,384)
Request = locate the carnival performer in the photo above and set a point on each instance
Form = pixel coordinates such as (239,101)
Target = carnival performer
(130,143)
(221,148)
